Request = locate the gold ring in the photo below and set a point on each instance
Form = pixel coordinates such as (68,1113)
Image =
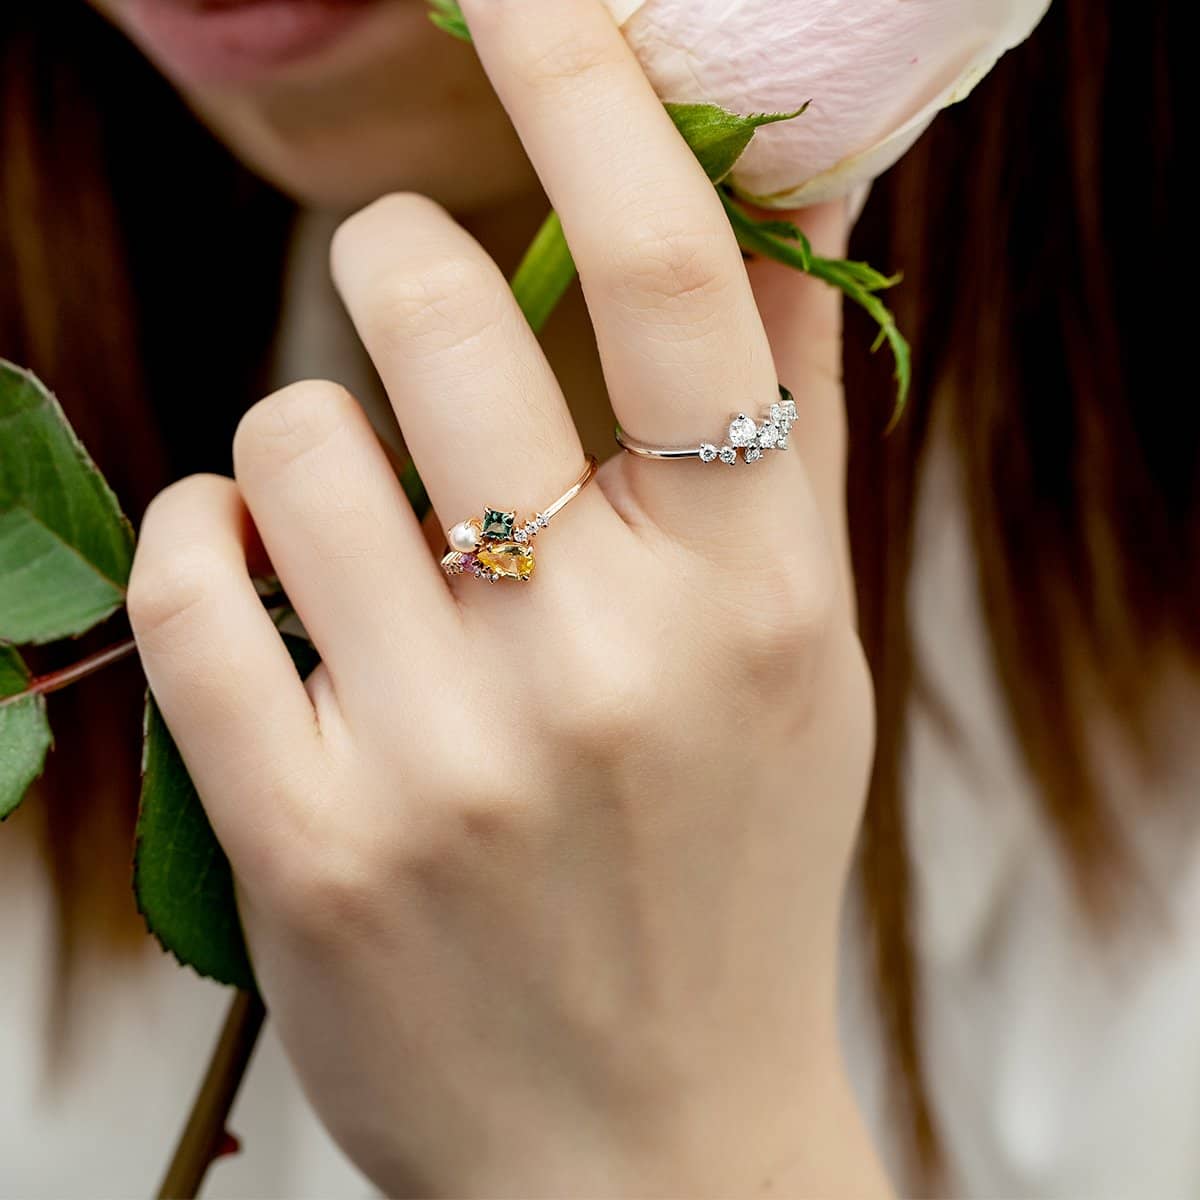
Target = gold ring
(496,547)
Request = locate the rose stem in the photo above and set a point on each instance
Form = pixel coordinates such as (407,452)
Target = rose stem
(55,681)
(204,1137)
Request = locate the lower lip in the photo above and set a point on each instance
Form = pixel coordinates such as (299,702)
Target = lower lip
(229,40)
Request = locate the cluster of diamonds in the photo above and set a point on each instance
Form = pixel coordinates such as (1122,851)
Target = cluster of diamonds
(754,438)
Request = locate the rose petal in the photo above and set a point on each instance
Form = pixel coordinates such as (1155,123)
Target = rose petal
(877,72)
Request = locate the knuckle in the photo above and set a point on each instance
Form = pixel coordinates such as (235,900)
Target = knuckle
(174,583)
(612,707)
(779,625)
(290,424)
(318,878)
(565,55)
(656,267)
(470,820)
(792,617)
(329,889)
(439,300)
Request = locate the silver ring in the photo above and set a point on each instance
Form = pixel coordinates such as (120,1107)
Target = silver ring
(752,438)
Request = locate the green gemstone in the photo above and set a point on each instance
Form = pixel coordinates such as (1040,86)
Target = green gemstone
(498,526)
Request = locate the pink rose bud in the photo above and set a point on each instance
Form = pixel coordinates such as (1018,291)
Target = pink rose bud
(877,73)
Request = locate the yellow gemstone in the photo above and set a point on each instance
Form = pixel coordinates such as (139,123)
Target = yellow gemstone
(509,560)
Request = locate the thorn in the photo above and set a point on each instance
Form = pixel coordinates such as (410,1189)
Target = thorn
(227,1144)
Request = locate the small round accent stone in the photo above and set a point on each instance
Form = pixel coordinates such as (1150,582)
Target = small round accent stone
(708,452)
(520,536)
(742,431)
(463,537)
(542,522)
(727,454)
(768,435)
(752,453)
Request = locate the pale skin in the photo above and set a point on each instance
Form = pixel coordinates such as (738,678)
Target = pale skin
(542,882)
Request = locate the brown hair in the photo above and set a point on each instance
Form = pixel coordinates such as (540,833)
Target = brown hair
(125,231)
(1037,225)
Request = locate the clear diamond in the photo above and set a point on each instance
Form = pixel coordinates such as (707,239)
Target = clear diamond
(520,536)
(776,413)
(789,409)
(728,455)
(752,453)
(768,435)
(742,431)
(708,452)
(782,444)
(541,520)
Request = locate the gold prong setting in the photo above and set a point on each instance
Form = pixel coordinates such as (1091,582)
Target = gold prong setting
(495,546)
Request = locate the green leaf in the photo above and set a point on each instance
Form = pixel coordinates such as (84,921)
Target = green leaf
(544,273)
(858,281)
(24,732)
(181,877)
(414,489)
(718,137)
(784,229)
(65,546)
(446,15)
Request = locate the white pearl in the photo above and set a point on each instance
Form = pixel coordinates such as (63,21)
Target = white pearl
(463,537)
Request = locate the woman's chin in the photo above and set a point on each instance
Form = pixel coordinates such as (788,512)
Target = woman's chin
(336,102)
(468,162)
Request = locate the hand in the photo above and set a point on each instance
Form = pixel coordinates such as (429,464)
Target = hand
(541,882)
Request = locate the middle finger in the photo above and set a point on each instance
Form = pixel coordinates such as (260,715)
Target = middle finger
(676,323)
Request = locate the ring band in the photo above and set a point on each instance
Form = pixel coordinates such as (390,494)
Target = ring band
(753,438)
(496,547)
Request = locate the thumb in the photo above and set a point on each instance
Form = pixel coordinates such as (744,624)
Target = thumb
(803,319)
